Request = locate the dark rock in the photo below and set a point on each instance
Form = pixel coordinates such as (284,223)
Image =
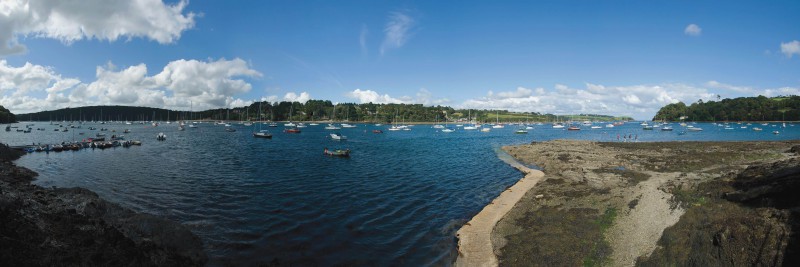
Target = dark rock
(74,226)
(754,222)
(795,149)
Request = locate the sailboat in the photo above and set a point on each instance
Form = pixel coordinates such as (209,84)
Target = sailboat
(261,133)
(469,118)
(497,124)
(394,123)
(558,124)
(290,124)
(331,126)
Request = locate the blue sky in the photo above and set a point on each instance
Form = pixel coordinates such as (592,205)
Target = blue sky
(565,57)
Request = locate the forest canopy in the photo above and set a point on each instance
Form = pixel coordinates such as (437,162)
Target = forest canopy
(759,108)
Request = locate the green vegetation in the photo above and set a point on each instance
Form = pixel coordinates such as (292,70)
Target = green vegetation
(758,108)
(312,110)
(6,116)
(597,258)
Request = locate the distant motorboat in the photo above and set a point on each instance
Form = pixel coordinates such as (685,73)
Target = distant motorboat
(438,126)
(447,130)
(609,125)
(666,129)
(596,127)
(573,128)
(290,124)
(486,130)
(521,131)
(332,127)
(337,153)
(229,129)
(694,129)
(756,129)
(337,136)
(345,125)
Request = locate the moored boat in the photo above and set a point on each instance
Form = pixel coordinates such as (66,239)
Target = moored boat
(262,134)
(337,152)
(337,136)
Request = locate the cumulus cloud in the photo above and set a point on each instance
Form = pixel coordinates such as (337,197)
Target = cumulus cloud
(69,21)
(369,96)
(203,84)
(397,31)
(790,48)
(294,97)
(640,101)
(693,30)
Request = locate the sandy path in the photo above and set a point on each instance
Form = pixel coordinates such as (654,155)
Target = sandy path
(474,238)
(637,233)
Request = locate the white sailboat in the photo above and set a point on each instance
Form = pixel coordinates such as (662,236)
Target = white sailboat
(469,118)
(331,126)
(497,124)
(558,124)
(261,133)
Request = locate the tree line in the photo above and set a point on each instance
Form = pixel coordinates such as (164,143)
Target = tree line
(311,110)
(759,108)
(6,116)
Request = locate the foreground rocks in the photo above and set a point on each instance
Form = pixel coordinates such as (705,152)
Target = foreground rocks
(655,204)
(73,226)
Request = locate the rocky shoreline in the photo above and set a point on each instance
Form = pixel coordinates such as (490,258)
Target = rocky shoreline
(73,226)
(655,204)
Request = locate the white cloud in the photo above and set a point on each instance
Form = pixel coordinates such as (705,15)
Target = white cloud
(693,30)
(211,84)
(639,101)
(790,48)
(781,91)
(294,97)
(739,89)
(28,78)
(69,21)
(369,96)
(397,31)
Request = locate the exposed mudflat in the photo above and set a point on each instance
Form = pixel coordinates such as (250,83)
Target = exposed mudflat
(623,204)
